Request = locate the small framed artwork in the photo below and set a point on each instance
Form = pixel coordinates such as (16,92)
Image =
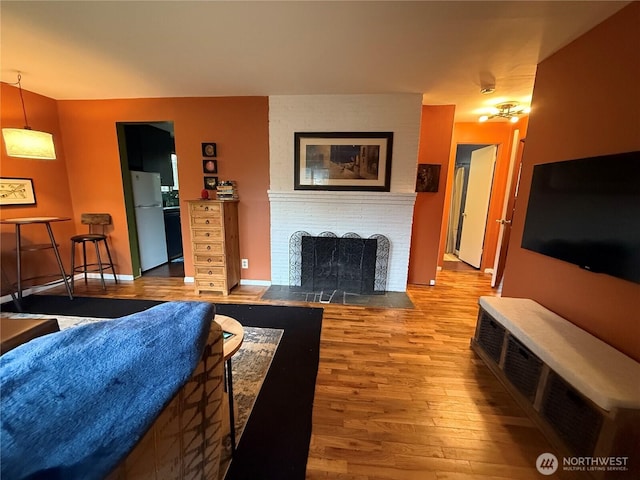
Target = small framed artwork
(16,191)
(428,177)
(210,166)
(209,149)
(210,183)
(343,161)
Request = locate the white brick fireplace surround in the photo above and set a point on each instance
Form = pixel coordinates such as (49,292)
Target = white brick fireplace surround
(340,212)
(364,213)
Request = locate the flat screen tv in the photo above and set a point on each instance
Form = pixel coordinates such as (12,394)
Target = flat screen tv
(587,212)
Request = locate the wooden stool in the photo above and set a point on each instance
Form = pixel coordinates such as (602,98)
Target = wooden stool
(92,219)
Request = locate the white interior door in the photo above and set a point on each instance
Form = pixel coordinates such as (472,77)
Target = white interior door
(474,218)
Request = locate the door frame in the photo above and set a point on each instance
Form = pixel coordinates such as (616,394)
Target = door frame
(129,204)
(508,208)
(481,174)
(479,145)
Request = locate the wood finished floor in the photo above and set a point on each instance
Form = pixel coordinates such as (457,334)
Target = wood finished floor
(399,394)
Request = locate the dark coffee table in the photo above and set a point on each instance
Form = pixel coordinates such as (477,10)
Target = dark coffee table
(16,331)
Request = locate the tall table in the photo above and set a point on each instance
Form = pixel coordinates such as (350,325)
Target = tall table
(46,221)
(231,345)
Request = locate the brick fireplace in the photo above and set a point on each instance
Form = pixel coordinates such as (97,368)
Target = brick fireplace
(367,213)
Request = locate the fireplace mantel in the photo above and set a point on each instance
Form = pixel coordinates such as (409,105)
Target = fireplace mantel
(382,198)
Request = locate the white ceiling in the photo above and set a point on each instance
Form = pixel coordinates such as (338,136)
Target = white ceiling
(135,49)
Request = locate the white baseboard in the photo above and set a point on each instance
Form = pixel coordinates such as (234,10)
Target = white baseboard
(127,278)
(107,276)
(488,270)
(33,289)
(79,277)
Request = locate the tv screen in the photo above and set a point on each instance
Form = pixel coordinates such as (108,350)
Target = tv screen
(587,212)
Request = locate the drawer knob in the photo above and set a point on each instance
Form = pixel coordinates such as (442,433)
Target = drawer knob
(210,272)
(207,222)
(211,284)
(208,247)
(206,209)
(209,260)
(206,234)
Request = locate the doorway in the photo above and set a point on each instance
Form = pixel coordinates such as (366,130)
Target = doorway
(471,192)
(150,181)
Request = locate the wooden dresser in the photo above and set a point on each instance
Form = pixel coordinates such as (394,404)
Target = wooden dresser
(215,245)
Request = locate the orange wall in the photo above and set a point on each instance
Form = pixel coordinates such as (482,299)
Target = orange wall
(239,126)
(500,133)
(435,141)
(49,182)
(87,144)
(586,102)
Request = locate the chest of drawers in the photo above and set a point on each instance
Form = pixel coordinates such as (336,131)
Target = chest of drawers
(215,244)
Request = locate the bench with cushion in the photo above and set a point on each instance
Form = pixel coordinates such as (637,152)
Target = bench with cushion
(582,392)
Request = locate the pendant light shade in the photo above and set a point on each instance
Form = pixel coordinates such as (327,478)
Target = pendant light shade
(27,143)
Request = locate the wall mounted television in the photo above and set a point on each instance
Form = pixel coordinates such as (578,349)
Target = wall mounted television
(587,212)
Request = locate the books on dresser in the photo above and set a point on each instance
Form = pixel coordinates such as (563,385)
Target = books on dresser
(226,190)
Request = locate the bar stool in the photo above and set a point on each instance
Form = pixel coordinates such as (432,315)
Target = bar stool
(92,219)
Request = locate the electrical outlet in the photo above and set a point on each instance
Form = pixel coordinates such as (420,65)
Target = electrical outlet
(245,263)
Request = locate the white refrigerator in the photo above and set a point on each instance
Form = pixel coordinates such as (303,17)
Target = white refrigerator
(147,198)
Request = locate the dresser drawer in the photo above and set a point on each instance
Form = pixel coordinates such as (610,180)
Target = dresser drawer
(209,260)
(216,285)
(206,221)
(213,248)
(205,209)
(202,235)
(211,271)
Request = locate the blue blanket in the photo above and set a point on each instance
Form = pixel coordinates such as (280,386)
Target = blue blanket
(74,403)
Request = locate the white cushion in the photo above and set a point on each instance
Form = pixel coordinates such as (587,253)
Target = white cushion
(606,376)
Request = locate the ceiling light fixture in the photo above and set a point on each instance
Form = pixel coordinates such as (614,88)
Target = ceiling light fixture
(25,142)
(509,110)
(487,89)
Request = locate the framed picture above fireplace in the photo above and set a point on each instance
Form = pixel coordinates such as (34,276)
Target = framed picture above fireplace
(343,161)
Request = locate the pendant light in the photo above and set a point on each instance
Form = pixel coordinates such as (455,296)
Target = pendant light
(28,143)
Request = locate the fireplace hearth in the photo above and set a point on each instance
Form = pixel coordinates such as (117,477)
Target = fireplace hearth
(328,263)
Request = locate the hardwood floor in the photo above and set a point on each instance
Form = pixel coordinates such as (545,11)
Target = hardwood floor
(399,393)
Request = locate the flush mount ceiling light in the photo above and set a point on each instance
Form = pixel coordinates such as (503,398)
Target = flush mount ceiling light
(509,110)
(25,142)
(487,88)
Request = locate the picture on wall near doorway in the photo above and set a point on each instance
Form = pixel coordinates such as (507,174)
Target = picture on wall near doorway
(428,177)
(209,149)
(210,183)
(16,191)
(343,161)
(210,166)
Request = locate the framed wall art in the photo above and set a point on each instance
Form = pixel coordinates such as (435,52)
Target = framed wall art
(209,149)
(210,166)
(428,177)
(343,161)
(210,183)
(16,191)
